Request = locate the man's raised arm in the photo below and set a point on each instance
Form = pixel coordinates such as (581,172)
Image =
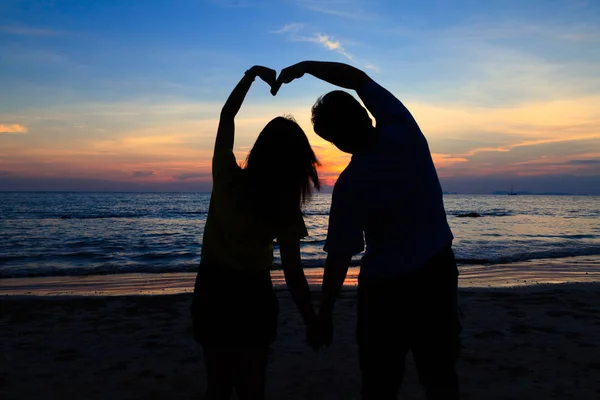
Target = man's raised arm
(339,74)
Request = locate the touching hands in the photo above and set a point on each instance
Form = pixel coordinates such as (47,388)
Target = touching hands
(319,332)
(287,75)
(270,75)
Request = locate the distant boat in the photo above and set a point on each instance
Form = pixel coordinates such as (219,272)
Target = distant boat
(511,193)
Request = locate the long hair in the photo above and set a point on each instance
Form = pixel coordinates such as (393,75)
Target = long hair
(281,167)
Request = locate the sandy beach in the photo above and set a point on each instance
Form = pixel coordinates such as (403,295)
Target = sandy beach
(520,342)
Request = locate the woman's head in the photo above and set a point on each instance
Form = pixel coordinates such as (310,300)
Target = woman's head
(283,162)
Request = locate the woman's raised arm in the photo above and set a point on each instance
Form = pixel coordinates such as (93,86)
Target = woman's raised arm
(226,130)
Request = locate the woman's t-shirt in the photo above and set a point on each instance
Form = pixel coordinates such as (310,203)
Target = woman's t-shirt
(237,236)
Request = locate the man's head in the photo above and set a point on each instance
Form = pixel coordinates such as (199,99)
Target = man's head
(339,118)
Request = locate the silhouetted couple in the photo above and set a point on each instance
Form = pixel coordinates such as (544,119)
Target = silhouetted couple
(389,196)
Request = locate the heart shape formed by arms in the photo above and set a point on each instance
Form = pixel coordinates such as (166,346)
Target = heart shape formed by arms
(286,76)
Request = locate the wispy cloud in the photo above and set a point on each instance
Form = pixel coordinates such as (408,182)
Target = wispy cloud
(28,56)
(191,175)
(142,174)
(293,27)
(494,29)
(13,129)
(330,44)
(293,30)
(447,159)
(584,162)
(28,31)
(373,67)
(508,148)
(349,9)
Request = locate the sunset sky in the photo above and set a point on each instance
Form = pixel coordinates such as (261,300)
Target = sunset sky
(125,95)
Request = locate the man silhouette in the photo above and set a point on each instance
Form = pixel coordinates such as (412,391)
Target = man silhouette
(389,196)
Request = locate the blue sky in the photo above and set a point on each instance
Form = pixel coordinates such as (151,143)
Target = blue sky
(126,94)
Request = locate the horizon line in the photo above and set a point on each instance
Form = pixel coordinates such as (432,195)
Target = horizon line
(453,193)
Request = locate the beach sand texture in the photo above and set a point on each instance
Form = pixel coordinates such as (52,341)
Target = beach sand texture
(528,342)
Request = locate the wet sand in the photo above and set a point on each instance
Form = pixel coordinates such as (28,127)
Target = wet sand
(526,273)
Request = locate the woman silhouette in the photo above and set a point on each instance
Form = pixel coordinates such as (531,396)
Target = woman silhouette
(234,308)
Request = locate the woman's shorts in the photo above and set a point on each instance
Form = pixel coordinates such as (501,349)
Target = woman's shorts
(233,309)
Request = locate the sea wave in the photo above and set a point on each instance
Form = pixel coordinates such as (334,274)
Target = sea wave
(80,216)
(547,254)
(102,216)
(188,266)
(471,213)
(106,269)
(575,237)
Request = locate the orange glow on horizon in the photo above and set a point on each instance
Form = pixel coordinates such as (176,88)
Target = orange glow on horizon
(533,139)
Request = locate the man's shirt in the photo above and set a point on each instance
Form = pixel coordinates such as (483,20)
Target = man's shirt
(389,195)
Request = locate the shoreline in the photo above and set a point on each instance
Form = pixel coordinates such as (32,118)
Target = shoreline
(526,273)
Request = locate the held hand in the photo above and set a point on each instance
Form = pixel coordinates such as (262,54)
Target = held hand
(287,75)
(313,337)
(325,329)
(319,332)
(266,74)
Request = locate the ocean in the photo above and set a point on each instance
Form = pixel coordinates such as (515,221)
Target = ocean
(85,233)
